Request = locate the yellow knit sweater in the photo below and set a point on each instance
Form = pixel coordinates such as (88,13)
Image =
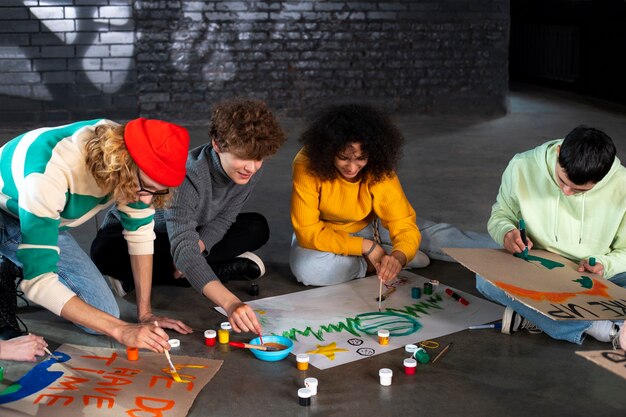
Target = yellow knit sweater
(325,213)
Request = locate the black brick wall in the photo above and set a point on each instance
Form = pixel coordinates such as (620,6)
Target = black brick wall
(69,59)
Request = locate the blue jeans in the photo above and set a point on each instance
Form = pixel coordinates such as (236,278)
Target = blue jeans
(76,270)
(312,267)
(571,330)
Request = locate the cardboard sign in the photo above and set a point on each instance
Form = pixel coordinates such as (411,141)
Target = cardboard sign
(613,360)
(548,283)
(86,381)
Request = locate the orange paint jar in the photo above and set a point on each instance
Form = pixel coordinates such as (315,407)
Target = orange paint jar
(132,353)
(383,337)
(302,361)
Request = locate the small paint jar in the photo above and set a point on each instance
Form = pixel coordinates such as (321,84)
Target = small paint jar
(174,343)
(311,383)
(132,353)
(209,337)
(428,288)
(385,375)
(435,283)
(383,337)
(410,365)
(223,334)
(421,355)
(416,293)
(410,349)
(302,361)
(1,373)
(304,397)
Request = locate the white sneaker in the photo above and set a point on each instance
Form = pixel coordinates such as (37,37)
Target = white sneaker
(420,260)
(116,286)
(513,322)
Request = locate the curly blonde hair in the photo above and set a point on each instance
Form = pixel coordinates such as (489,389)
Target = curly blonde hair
(113,168)
(246,128)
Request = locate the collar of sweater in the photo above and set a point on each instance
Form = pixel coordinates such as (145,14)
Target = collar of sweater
(218,175)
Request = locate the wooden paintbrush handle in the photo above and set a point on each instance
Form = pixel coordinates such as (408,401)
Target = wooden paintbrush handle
(247,345)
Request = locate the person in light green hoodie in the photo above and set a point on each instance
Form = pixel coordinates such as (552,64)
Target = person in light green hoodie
(571,194)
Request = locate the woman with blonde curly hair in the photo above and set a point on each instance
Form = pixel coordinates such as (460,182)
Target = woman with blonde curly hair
(202,238)
(57,178)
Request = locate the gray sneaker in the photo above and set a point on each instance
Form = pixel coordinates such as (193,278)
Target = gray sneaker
(116,286)
(513,322)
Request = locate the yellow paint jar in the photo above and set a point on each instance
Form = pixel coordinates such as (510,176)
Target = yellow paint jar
(383,337)
(302,361)
(223,334)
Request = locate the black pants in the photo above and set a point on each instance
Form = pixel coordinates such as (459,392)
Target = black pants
(109,250)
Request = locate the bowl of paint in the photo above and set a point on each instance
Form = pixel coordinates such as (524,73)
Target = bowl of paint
(273,355)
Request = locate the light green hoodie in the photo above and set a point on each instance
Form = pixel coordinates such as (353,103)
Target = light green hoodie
(591,223)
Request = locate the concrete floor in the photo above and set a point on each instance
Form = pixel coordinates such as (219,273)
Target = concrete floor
(451,172)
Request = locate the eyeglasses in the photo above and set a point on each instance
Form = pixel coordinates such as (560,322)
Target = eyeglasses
(143,191)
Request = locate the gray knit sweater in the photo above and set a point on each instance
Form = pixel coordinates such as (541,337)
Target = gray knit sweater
(203,208)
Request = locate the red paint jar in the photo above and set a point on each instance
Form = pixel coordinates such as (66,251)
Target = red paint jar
(210,337)
(410,365)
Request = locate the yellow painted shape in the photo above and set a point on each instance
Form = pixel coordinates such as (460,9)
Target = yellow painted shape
(328,350)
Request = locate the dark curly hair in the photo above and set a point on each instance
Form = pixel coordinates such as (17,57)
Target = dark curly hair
(335,127)
(247,128)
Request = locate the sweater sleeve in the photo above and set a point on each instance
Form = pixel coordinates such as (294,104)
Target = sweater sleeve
(182,229)
(138,222)
(614,262)
(311,231)
(42,199)
(397,215)
(505,212)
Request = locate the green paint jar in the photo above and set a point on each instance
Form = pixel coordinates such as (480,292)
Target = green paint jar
(428,288)
(1,373)
(421,355)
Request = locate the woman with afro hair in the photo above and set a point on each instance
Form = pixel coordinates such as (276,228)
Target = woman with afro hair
(348,209)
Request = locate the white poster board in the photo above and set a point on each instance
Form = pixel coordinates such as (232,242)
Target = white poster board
(339,324)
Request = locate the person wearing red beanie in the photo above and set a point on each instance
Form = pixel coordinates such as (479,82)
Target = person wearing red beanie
(67,175)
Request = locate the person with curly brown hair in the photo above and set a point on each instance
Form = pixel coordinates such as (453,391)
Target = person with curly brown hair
(202,238)
(56,178)
(348,209)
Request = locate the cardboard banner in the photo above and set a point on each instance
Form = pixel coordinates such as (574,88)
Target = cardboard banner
(613,360)
(339,324)
(548,283)
(86,381)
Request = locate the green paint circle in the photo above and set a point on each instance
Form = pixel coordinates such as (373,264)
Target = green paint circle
(397,324)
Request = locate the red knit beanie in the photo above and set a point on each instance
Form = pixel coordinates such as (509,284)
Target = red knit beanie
(159,148)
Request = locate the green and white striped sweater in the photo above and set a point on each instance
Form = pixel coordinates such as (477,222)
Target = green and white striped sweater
(45,182)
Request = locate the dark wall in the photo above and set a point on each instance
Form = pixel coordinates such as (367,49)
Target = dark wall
(576,45)
(70,59)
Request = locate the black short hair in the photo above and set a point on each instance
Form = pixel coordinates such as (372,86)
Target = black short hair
(335,127)
(586,155)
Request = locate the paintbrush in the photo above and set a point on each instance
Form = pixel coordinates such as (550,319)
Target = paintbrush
(442,353)
(257,347)
(380,293)
(386,294)
(173,370)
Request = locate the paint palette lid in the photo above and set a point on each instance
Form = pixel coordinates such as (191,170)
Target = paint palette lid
(302,357)
(226,326)
(385,373)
